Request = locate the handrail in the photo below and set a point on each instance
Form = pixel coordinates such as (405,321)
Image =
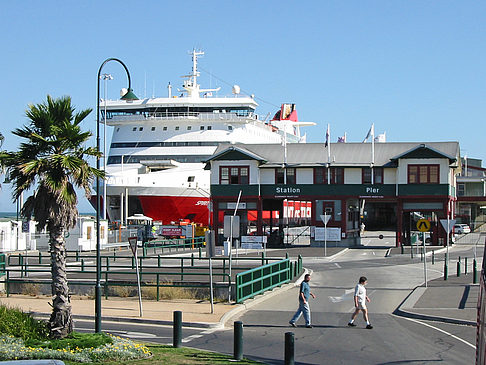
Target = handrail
(258,280)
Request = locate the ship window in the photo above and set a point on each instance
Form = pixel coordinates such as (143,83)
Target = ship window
(230,127)
(134,129)
(140,129)
(153,128)
(189,127)
(202,128)
(190,178)
(177,128)
(209,127)
(165,128)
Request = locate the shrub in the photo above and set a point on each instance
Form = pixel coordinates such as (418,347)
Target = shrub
(167,292)
(14,322)
(30,289)
(122,291)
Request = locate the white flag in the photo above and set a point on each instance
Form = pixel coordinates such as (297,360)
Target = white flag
(371,132)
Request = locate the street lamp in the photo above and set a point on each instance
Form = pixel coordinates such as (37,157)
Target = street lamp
(128,96)
(105,78)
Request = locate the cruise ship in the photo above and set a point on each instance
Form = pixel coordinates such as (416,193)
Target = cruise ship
(155,162)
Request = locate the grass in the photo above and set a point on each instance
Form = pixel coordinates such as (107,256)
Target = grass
(163,354)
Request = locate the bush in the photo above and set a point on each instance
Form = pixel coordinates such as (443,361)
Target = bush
(14,322)
(30,289)
(167,292)
(122,291)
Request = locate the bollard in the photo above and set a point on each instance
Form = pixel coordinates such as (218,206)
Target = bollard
(458,268)
(402,249)
(446,270)
(263,258)
(40,258)
(199,252)
(421,254)
(158,260)
(238,340)
(192,259)
(433,257)
(475,272)
(465,265)
(82,265)
(411,251)
(289,348)
(177,329)
(77,255)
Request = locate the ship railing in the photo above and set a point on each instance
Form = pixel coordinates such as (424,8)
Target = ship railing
(183,115)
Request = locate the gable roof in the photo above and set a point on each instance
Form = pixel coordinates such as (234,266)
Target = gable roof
(342,154)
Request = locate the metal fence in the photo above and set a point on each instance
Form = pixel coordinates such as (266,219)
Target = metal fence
(258,280)
(155,271)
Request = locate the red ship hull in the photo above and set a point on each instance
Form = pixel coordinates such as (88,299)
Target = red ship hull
(171,208)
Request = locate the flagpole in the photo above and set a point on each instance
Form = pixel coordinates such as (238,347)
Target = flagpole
(328,140)
(372,152)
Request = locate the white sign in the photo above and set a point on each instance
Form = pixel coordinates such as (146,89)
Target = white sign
(251,246)
(233,206)
(253,239)
(325,218)
(133,244)
(227,226)
(451,224)
(332,234)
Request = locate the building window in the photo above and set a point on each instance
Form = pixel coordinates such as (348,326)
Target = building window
(209,127)
(164,129)
(377,175)
(279,175)
(177,128)
(201,128)
(153,129)
(234,175)
(140,129)
(134,129)
(320,175)
(423,174)
(189,127)
(230,127)
(461,189)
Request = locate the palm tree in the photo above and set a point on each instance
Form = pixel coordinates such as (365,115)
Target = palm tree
(52,160)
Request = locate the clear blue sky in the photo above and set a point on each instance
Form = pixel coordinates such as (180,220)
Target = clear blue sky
(415,68)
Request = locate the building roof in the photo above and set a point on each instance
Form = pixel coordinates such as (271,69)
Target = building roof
(343,154)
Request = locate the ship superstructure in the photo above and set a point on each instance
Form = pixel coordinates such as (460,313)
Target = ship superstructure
(155,162)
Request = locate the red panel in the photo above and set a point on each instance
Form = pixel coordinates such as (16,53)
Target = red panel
(171,208)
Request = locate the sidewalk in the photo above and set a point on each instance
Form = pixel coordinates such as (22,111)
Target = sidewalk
(196,313)
(451,301)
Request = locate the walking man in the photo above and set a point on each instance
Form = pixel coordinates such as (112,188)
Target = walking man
(360,299)
(304,293)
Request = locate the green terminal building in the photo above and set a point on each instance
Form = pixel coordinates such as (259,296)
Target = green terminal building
(380,186)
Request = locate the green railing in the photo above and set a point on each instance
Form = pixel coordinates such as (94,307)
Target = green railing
(3,263)
(258,280)
(175,244)
(116,270)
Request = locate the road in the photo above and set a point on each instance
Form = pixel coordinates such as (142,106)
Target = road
(394,340)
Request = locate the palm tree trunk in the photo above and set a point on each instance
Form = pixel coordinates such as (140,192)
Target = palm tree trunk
(61,321)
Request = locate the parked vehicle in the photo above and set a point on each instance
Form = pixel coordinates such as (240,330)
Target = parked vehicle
(461,229)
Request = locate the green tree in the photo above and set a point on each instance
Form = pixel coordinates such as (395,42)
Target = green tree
(51,162)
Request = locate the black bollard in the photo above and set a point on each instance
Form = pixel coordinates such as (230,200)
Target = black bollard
(177,329)
(289,348)
(402,249)
(446,270)
(465,265)
(433,257)
(458,268)
(238,341)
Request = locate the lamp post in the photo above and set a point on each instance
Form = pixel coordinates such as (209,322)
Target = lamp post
(105,78)
(128,96)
